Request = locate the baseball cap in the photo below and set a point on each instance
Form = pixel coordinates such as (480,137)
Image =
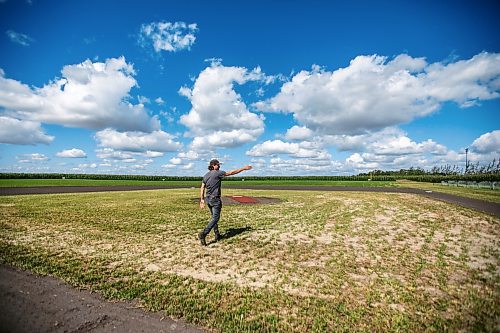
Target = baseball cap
(214,162)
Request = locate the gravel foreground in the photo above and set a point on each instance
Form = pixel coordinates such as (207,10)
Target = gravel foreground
(32,303)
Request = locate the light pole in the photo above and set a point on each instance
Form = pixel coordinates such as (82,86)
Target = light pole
(466,162)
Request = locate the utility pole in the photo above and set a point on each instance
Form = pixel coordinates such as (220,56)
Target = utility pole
(466,161)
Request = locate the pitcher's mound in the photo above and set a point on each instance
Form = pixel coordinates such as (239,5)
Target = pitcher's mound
(242,199)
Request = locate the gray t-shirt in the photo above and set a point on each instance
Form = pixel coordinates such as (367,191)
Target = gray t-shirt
(212,181)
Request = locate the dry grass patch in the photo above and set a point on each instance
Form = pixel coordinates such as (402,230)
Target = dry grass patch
(325,260)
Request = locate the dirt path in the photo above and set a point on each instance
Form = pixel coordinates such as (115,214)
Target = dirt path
(31,303)
(480,205)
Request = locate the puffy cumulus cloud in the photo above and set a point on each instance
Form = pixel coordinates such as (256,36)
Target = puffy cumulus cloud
(299,150)
(397,143)
(188,166)
(281,166)
(487,143)
(177,163)
(72,153)
(389,141)
(19,132)
(168,36)
(90,95)
(176,160)
(156,141)
(274,147)
(357,162)
(346,142)
(228,139)
(190,155)
(153,154)
(364,162)
(219,117)
(86,166)
(111,154)
(373,93)
(389,149)
(298,133)
(19,38)
(32,158)
(143,100)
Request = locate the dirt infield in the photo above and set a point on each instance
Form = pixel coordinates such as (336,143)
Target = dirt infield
(480,205)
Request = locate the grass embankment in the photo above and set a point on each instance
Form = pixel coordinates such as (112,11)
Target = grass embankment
(474,193)
(316,262)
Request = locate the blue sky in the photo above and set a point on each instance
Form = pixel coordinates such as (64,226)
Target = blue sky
(291,87)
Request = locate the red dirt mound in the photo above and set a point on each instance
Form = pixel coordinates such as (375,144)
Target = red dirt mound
(244,199)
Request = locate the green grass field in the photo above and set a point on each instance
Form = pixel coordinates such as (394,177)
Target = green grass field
(315,262)
(481,194)
(89,182)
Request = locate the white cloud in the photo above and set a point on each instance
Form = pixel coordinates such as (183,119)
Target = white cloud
(188,166)
(143,100)
(274,147)
(168,36)
(281,166)
(31,158)
(169,166)
(72,153)
(90,95)
(373,93)
(298,133)
(190,155)
(391,149)
(153,154)
(219,117)
(487,143)
(111,154)
(87,166)
(357,162)
(14,131)
(159,101)
(175,161)
(228,139)
(348,142)
(398,143)
(158,141)
(299,150)
(19,38)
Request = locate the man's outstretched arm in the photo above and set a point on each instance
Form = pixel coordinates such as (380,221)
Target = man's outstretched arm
(234,172)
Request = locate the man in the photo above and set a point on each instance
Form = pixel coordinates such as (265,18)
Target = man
(212,183)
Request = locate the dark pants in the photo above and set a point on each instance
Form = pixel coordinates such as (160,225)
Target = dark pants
(215,206)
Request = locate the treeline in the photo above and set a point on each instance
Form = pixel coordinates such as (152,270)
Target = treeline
(182,178)
(492,168)
(414,174)
(94,177)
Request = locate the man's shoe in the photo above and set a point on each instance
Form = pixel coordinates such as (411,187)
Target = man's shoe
(218,238)
(201,237)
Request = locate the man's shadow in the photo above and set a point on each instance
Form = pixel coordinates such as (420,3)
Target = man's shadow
(232,232)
